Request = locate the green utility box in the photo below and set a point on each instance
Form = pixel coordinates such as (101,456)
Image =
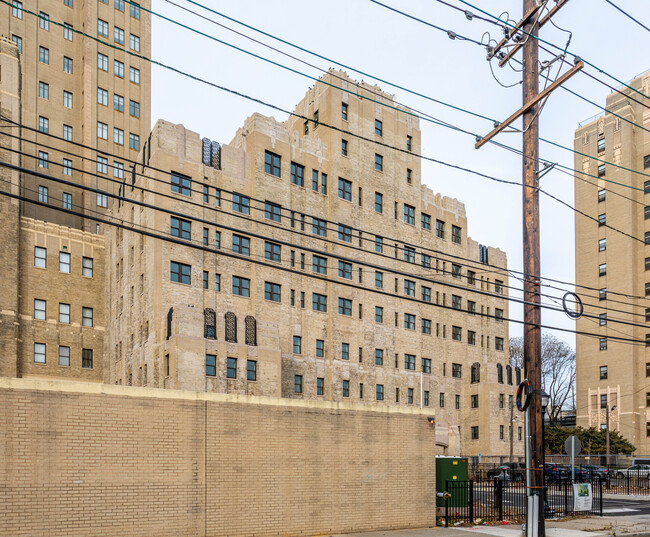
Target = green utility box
(453,469)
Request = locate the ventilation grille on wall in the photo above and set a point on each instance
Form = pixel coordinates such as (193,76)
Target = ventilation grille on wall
(211,153)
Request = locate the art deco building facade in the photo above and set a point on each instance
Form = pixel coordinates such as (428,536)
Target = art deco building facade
(613,375)
(298,260)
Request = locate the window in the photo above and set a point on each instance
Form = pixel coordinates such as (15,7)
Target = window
(603,372)
(455,271)
(602,219)
(64,313)
(602,294)
(409,214)
(345,270)
(40,257)
(456,333)
(102,28)
(241,245)
(601,170)
(319,302)
(602,245)
(86,316)
(320,348)
(474,401)
(134,42)
(118,68)
(409,396)
(319,227)
(134,75)
(379,163)
(42,194)
(272,291)
(379,280)
(602,269)
(135,10)
(39,353)
(134,142)
(379,356)
(64,356)
(456,302)
(379,314)
(102,200)
(67,133)
(425,221)
(272,211)
(319,264)
(456,370)
(409,254)
(344,148)
(44,55)
(409,142)
(471,337)
(231,368)
(297,345)
(241,286)
(179,272)
(87,267)
(379,392)
(498,287)
(241,204)
(44,124)
(19,42)
(409,176)
(474,432)
(39,309)
(17,9)
(118,35)
(297,174)
(118,136)
(498,343)
(602,319)
(345,233)
(455,234)
(102,130)
(180,228)
(297,383)
(217,282)
(64,262)
(409,287)
(409,321)
(43,159)
(344,111)
(272,251)
(251,370)
(603,343)
(345,306)
(345,351)
(345,189)
(119,4)
(134,108)
(440,229)
(43,92)
(426,294)
(601,145)
(378,128)
(102,63)
(409,361)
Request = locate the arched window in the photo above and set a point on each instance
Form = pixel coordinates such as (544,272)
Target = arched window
(231,327)
(251,330)
(209,324)
(518,375)
(170,315)
(509,374)
(499,373)
(476,372)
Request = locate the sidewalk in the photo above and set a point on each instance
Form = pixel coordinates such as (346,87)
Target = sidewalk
(580,527)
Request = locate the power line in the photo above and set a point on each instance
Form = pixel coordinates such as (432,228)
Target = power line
(475,264)
(274,266)
(628,15)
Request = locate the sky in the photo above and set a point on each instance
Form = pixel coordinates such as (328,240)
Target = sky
(370,38)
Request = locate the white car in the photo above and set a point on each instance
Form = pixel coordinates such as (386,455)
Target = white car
(638,470)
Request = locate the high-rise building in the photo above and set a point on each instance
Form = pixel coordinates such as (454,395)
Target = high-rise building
(79,90)
(612,264)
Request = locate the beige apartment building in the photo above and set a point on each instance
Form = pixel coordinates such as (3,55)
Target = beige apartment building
(298,260)
(614,375)
(305,262)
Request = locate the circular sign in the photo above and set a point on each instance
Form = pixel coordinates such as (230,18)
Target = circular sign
(524,393)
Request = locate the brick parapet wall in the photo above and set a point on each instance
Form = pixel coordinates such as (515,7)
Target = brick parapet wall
(82,459)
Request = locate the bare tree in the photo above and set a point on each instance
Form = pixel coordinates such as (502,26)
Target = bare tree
(558,371)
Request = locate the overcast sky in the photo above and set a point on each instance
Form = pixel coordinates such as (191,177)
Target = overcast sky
(372,39)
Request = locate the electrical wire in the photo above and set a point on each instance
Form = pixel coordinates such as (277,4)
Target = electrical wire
(628,15)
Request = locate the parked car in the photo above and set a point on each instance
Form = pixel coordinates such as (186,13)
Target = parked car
(638,470)
(515,471)
(578,473)
(555,472)
(594,470)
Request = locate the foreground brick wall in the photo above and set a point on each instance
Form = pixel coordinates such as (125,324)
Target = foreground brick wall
(98,460)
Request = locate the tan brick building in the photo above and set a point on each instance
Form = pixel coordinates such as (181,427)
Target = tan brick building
(609,372)
(309,263)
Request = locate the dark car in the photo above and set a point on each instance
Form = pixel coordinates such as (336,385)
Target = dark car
(555,472)
(578,473)
(515,471)
(594,470)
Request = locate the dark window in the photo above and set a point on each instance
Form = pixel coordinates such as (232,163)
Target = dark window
(272,251)
(345,189)
(456,333)
(380,392)
(210,365)
(241,204)
(601,170)
(297,174)
(475,373)
(297,383)
(272,211)
(601,194)
(346,388)
(379,356)
(241,286)
(344,148)
(241,245)
(379,314)
(320,386)
(319,227)
(209,323)
(87,358)
(425,221)
(456,370)
(475,432)
(180,228)
(409,142)
(181,184)
(272,163)
(379,162)
(498,287)
(603,401)
(426,365)
(509,374)
(231,368)
(409,214)
(426,326)
(319,302)
(455,234)
(379,202)
(320,348)
(345,306)
(499,373)
(442,400)
(378,128)
(471,337)
(602,219)
(345,233)
(602,294)
(272,291)
(251,370)
(180,272)
(603,372)
(440,229)
(474,401)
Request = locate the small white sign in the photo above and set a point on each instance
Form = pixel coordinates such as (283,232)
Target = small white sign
(582,498)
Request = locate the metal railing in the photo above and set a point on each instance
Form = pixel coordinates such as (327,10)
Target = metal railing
(497,500)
